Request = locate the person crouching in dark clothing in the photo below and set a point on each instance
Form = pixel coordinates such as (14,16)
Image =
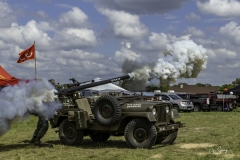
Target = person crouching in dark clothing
(40,131)
(42,124)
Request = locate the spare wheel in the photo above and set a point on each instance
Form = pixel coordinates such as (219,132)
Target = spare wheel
(107,110)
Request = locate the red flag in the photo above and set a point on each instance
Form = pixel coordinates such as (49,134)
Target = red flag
(27,54)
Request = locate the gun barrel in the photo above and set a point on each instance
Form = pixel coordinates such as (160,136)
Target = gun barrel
(72,85)
(76,83)
(93,84)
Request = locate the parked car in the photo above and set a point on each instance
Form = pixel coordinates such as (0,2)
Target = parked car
(211,101)
(198,103)
(178,103)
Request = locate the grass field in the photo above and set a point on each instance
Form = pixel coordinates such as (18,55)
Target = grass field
(207,135)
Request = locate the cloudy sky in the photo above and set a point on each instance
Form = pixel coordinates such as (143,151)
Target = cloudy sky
(86,39)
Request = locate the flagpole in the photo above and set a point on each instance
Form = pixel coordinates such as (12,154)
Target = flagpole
(35,61)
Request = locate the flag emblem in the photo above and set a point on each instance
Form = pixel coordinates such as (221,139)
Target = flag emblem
(27,54)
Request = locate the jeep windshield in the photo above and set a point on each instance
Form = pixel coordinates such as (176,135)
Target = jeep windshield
(174,96)
(86,93)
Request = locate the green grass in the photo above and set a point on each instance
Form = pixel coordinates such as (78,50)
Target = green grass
(204,132)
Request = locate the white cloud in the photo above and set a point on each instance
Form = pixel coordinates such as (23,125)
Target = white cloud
(231,31)
(81,55)
(125,25)
(221,52)
(74,18)
(25,35)
(194,32)
(223,8)
(42,14)
(32,33)
(70,38)
(6,15)
(45,26)
(193,17)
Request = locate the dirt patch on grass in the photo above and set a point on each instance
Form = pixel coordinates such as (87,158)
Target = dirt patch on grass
(157,156)
(202,154)
(196,145)
(200,128)
(229,156)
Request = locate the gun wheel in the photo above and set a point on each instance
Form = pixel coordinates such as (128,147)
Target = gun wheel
(68,133)
(107,110)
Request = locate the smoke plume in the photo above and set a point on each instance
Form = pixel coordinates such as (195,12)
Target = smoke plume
(182,59)
(22,100)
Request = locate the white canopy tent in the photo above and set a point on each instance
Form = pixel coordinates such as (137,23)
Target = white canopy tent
(107,87)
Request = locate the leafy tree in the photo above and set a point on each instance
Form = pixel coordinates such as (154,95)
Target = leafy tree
(152,88)
(236,82)
(228,86)
(179,84)
(164,88)
(203,85)
(182,83)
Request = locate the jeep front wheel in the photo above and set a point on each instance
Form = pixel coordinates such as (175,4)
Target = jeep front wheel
(100,137)
(68,133)
(140,133)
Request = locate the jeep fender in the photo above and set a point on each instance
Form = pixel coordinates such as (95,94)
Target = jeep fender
(148,115)
(55,122)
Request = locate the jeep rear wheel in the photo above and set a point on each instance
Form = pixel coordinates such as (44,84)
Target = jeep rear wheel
(100,137)
(140,133)
(68,133)
(107,110)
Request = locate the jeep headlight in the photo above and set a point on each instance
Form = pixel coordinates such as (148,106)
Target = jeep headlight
(154,111)
(167,109)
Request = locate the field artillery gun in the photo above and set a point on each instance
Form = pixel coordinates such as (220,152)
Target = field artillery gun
(142,123)
(76,83)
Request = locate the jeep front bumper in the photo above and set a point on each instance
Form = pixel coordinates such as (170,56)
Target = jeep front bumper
(169,127)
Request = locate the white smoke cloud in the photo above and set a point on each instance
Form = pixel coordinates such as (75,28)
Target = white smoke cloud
(222,8)
(182,59)
(19,101)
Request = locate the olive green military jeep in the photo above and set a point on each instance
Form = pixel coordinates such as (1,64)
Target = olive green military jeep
(142,123)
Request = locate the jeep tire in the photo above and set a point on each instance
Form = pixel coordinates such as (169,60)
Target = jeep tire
(107,110)
(140,133)
(68,134)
